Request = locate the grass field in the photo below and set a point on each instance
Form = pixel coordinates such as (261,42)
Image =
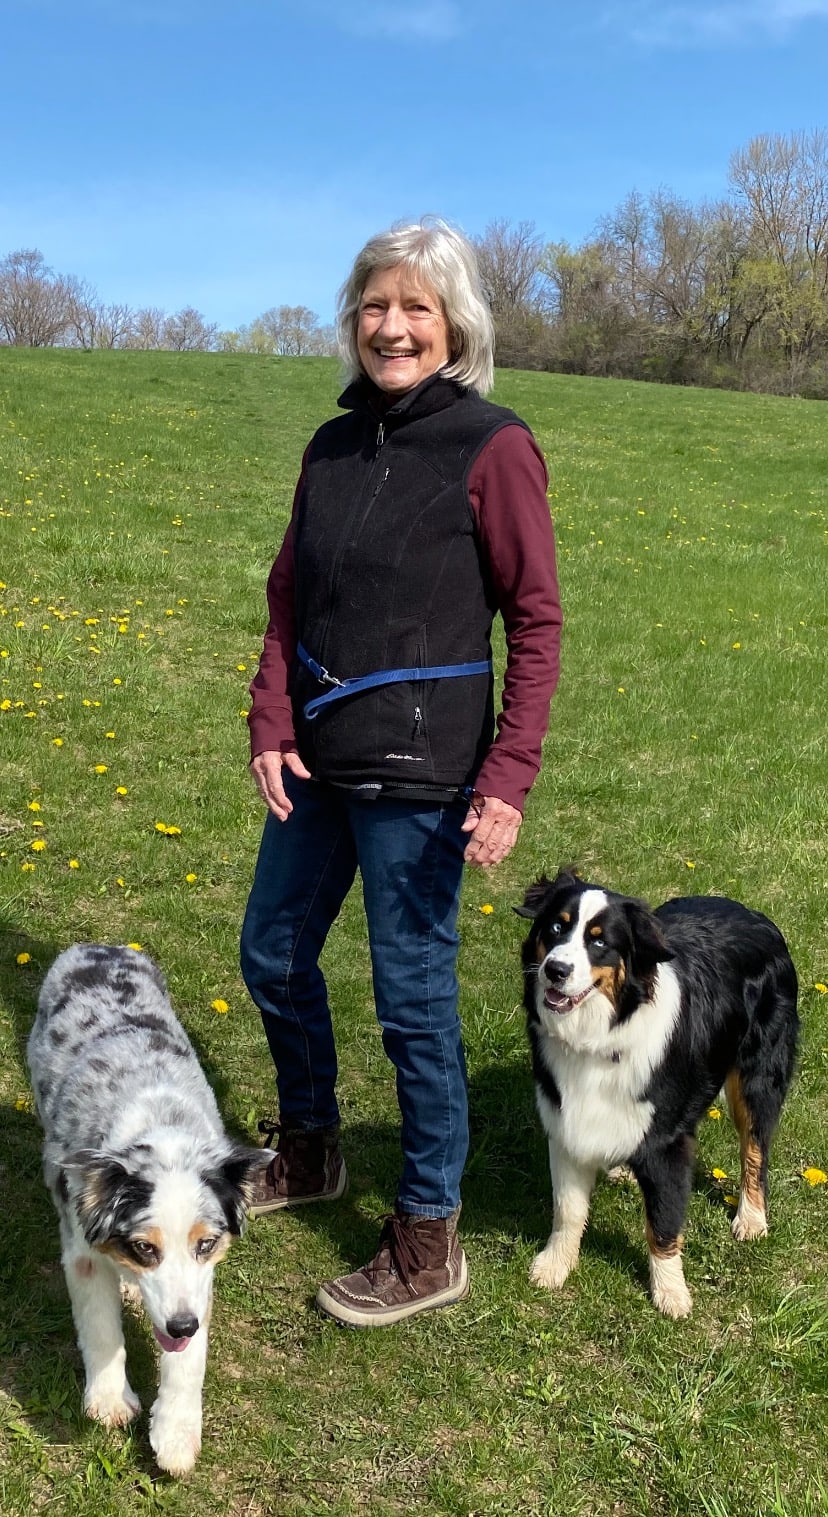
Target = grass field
(142,497)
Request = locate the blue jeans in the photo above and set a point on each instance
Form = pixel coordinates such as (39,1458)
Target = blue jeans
(410,857)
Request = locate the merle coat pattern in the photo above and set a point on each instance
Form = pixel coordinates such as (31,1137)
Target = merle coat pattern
(636,1021)
(148,1188)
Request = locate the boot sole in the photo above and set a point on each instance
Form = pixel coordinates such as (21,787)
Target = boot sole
(353,1316)
(266,1207)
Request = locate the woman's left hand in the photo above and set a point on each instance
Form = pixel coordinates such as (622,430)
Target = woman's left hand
(494,826)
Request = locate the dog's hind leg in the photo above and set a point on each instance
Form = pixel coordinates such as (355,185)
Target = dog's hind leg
(751,1219)
(175,1418)
(571,1191)
(94,1292)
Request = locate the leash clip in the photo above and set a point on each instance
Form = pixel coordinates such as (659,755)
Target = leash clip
(328,679)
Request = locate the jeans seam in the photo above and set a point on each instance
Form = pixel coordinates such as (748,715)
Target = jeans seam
(295,943)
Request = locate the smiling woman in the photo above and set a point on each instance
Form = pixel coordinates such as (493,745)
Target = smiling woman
(419,513)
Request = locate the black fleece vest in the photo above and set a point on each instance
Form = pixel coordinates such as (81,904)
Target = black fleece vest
(389,576)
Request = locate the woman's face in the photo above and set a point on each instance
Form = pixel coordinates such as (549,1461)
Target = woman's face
(402,335)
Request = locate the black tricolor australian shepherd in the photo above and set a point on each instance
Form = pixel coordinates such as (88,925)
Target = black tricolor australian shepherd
(637,1019)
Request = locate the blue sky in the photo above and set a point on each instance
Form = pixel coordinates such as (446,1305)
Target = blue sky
(235,156)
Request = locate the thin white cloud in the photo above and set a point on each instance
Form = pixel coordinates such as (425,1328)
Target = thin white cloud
(732,22)
(404,20)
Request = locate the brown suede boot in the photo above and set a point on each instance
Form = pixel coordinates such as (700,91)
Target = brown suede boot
(418,1266)
(307,1166)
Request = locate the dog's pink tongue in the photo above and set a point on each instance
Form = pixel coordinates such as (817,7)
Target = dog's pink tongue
(171,1345)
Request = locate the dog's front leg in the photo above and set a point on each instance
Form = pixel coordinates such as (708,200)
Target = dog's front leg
(175,1419)
(94,1292)
(572,1184)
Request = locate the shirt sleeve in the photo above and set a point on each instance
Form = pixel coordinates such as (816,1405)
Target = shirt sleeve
(507,492)
(270,718)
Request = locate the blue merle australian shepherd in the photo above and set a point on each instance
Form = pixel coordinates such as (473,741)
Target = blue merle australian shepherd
(637,1019)
(148,1188)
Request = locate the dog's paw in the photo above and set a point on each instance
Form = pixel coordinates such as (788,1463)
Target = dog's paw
(175,1438)
(549,1269)
(114,1407)
(749,1222)
(674,1300)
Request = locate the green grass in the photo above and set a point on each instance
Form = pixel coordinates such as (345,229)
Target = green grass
(142,497)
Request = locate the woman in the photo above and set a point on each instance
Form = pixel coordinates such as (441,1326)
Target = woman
(418,514)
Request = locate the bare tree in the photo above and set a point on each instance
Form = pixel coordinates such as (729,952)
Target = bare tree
(33,301)
(509,259)
(93,324)
(147,329)
(187,331)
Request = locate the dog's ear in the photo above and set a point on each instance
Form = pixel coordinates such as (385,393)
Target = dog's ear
(534,898)
(648,944)
(107,1196)
(537,894)
(233,1182)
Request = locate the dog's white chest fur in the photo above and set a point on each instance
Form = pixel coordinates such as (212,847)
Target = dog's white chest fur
(602,1072)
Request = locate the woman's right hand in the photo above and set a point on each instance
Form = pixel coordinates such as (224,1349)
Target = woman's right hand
(266,769)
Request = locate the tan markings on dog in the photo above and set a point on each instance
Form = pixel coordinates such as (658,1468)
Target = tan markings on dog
(750,1152)
(663,1250)
(608,978)
(121,1255)
(566,916)
(200,1230)
(540,951)
(595,931)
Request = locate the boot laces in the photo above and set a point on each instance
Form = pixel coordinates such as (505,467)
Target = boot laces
(406,1253)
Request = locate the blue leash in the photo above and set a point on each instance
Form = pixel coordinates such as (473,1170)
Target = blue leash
(342,687)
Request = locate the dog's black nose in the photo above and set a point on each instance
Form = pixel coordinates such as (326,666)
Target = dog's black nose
(557,973)
(182,1327)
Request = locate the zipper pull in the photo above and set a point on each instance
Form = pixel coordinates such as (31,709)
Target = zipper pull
(380,435)
(418,722)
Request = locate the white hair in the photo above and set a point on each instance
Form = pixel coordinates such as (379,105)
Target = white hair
(444,261)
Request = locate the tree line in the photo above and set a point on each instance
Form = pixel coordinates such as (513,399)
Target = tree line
(732,292)
(39,308)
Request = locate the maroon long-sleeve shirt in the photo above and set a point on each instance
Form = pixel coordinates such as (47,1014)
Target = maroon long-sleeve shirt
(507,493)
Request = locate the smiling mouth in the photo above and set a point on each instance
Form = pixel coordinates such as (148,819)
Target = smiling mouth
(383,353)
(556,1001)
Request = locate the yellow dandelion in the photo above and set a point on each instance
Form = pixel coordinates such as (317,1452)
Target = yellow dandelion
(28,866)
(23,1103)
(109,734)
(737,645)
(732,1200)
(74,864)
(101,768)
(117,681)
(823,989)
(621,690)
(120,882)
(167,830)
(191,878)
(715,1113)
(241,668)
(38,845)
(136,946)
(220,1006)
(719,1174)
(815,1176)
(57,742)
(689,864)
(23,958)
(487,909)
(121,790)
(34,805)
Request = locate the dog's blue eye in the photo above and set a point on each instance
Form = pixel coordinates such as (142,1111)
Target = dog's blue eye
(599,942)
(556,929)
